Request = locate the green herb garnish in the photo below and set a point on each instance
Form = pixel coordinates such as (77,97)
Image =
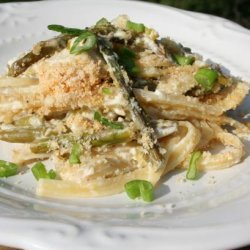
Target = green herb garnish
(7,168)
(65,30)
(106,122)
(74,157)
(127,60)
(206,78)
(140,189)
(106,91)
(192,168)
(184,60)
(52,174)
(39,171)
(84,42)
(102,22)
(137,27)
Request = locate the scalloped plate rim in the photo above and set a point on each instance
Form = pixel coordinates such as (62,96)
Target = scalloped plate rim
(33,224)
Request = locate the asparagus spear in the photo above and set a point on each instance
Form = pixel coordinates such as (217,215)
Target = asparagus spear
(113,138)
(104,138)
(33,129)
(138,115)
(49,47)
(29,121)
(39,51)
(40,147)
(41,142)
(20,135)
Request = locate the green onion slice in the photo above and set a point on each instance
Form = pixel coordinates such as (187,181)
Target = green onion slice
(84,42)
(126,52)
(65,30)
(127,60)
(106,122)
(52,174)
(206,78)
(140,189)
(184,60)
(7,168)
(40,172)
(97,116)
(74,157)
(192,168)
(115,125)
(106,91)
(137,27)
(102,22)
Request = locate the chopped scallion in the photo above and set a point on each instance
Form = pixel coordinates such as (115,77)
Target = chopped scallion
(140,189)
(184,60)
(115,125)
(97,116)
(106,122)
(127,60)
(102,22)
(52,174)
(74,157)
(7,168)
(84,42)
(40,172)
(192,168)
(206,78)
(137,27)
(126,52)
(65,30)
(106,91)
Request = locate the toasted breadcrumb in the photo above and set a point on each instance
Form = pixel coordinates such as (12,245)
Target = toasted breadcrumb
(66,82)
(72,80)
(79,124)
(178,79)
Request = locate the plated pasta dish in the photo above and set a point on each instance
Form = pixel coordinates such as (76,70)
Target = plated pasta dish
(115,107)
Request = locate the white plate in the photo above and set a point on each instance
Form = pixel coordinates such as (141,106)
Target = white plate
(211,213)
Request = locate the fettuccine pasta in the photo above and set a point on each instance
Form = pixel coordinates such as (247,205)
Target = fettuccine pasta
(113,104)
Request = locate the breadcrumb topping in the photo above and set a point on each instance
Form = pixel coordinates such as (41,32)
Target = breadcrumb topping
(71,80)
